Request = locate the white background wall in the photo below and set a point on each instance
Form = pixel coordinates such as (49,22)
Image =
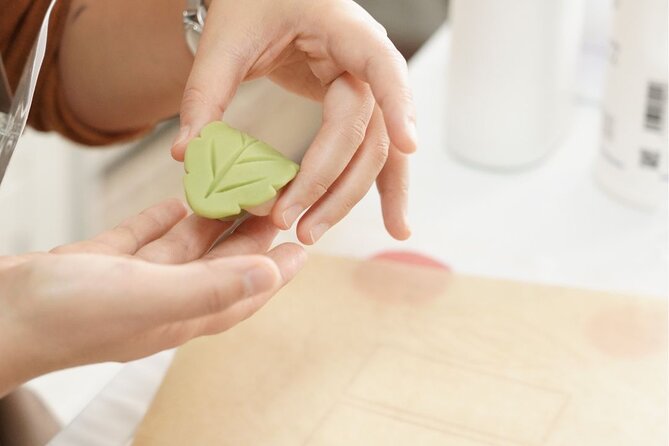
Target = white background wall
(36,197)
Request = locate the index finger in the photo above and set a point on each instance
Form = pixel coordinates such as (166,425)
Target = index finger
(365,51)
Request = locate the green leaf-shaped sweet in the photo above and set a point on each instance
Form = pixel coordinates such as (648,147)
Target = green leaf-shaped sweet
(228,170)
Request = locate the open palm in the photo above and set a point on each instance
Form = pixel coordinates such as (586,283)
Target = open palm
(152,283)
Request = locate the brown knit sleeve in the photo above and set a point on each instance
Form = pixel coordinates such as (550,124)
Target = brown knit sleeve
(20,21)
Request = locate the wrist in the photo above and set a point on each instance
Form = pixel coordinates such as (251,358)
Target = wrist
(12,360)
(22,356)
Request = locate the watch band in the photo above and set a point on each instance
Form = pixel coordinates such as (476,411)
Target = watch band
(193,21)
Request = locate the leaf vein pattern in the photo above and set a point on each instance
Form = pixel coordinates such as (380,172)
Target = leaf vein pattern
(238,185)
(225,168)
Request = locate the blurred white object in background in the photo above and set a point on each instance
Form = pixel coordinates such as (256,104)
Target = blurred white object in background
(38,199)
(632,162)
(511,78)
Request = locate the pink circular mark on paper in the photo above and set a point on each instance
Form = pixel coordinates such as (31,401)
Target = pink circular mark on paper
(412,258)
(629,331)
(393,276)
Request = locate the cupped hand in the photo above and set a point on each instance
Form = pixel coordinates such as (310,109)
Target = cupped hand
(152,283)
(332,51)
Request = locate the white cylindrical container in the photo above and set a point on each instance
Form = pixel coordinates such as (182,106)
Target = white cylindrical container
(632,162)
(510,78)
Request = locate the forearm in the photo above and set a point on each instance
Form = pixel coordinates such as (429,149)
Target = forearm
(124,63)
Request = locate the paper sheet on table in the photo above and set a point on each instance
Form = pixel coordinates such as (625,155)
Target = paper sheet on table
(377,353)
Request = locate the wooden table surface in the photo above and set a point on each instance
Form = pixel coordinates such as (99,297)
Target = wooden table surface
(382,353)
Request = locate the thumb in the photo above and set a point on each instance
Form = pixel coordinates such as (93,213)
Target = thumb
(221,64)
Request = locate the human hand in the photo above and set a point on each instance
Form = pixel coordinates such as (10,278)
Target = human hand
(331,51)
(152,283)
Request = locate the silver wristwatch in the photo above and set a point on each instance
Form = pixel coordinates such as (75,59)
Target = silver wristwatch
(193,20)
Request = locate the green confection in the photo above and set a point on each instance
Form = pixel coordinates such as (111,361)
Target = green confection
(228,171)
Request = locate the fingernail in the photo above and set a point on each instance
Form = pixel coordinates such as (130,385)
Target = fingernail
(407,225)
(317,231)
(258,280)
(290,215)
(413,132)
(182,136)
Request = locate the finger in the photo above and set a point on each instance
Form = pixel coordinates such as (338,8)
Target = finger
(393,187)
(132,234)
(365,51)
(187,241)
(289,257)
(253,237)
(158,294)
(350,187)
(223,58)
(346,112)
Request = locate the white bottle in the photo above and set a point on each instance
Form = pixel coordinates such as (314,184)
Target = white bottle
(632,162)
(510,78)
